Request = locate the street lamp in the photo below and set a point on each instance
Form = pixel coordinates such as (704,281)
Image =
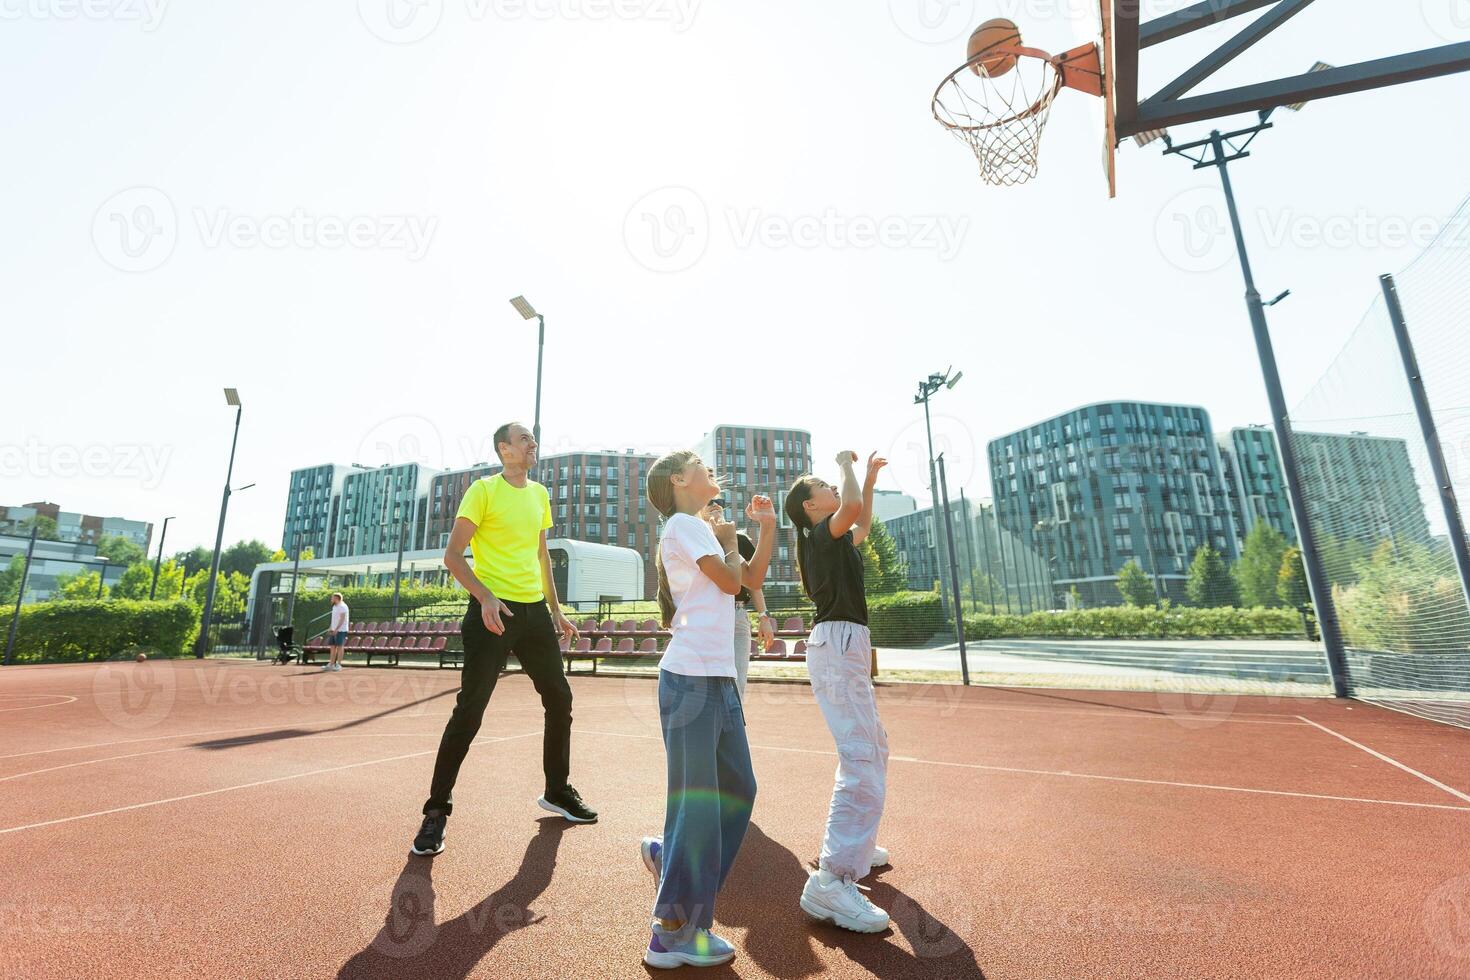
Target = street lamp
(153,589)
(1217,151)
(527,311)
(232,398)
(927,388)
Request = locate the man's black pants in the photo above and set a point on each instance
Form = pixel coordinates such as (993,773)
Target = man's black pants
(531,638)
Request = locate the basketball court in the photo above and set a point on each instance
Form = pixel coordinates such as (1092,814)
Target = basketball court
(234,819)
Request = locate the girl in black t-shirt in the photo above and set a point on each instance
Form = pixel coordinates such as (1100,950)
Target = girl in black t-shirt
(831,523)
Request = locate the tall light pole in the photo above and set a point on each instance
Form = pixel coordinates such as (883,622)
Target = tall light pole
(954,577)
(927,388)
(527,311)
(153,589)
(232,398)
(1218,151)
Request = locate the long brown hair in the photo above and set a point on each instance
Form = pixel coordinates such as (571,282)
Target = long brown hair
(660,492)
(796,498)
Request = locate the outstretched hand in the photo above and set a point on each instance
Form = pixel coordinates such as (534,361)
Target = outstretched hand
(761,510)
(875,464)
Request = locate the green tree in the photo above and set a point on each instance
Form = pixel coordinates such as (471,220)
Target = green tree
(196,558)
(1291,581)
(243,556)
(10,580)
(884,572)
(1209,582)
(80,585)
(1259,566)
(134,582)
(121,550)
(45,526)
(1134,584)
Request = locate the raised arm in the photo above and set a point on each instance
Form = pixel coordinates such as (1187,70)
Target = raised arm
(865,519)
(763,512)
(851,507)
(724,572)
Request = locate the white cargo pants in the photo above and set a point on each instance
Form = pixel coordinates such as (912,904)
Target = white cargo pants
(839,660)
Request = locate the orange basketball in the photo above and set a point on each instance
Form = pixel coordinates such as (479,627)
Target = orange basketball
(993,33)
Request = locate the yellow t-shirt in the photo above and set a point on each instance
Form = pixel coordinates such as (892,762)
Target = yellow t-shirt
(507,544)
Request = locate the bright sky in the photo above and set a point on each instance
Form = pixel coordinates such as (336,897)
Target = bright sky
(328,205)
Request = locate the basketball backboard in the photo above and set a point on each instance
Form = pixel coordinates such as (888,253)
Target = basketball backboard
(1121,36)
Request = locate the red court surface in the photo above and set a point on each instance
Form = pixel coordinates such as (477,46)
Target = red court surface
(192,820)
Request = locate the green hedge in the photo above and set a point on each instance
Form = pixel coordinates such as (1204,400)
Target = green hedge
(95,630)
(1130,622)
(904,619)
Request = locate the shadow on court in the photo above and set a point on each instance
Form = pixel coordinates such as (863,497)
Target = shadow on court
(289,733)
(762,895)
(412,944)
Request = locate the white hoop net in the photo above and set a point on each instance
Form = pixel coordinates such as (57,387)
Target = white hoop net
(1000,118)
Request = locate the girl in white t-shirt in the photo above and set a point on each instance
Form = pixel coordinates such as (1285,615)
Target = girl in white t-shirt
(711,786)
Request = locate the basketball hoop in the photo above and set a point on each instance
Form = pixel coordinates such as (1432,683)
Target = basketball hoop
(998,101)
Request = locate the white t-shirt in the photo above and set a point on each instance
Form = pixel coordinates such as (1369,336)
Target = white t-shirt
(339,617)
(704,617)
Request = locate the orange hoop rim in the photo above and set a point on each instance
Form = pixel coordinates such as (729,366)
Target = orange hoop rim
(1079,68)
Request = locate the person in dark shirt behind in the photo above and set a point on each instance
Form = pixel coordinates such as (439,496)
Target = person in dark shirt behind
(831,523)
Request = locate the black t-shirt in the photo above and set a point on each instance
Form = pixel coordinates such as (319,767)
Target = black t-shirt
(834,576)
(747,551)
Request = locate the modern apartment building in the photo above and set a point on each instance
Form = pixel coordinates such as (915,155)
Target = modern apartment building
(1358,487)
(1113,482)
(888,504)
(75,528)
(996,571)
(378,509)
(312,501)
(1361,488)
(755,459)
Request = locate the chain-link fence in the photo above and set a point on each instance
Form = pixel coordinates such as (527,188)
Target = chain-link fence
(1383,507)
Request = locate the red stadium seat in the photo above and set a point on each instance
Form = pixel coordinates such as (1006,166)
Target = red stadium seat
(794,626)
(625,647)
(607,626)
(648,648)
(604,645)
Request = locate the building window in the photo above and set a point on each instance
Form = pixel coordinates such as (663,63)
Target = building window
(1204,501)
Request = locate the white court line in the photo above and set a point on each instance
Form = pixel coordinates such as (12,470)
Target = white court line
(229,789)
(231,742)
(1085,775)
(1393,762)
(1116,713)
(26,697)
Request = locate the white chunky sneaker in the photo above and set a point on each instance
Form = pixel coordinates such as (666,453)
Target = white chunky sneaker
(880,856)
(842,903)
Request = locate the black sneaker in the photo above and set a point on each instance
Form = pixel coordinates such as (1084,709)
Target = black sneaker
(569,804)
(431,835)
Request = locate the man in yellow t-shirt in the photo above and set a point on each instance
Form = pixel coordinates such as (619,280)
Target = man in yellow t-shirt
(513,609)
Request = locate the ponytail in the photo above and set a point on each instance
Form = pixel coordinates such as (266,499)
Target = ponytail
(660,492)
(796,499)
